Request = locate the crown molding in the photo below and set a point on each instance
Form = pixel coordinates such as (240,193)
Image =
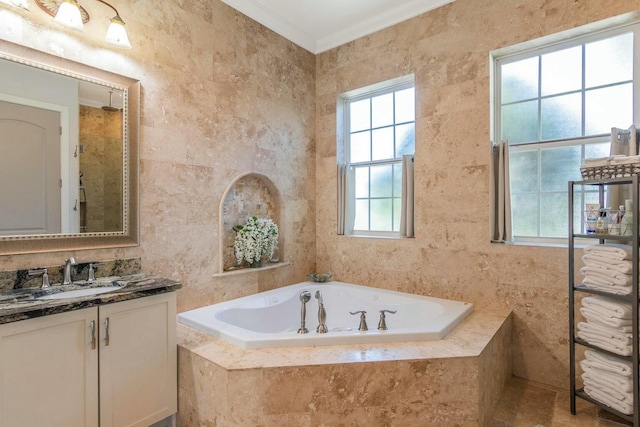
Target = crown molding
(256,11)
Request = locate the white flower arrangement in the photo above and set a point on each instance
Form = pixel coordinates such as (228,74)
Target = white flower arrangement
(255,240)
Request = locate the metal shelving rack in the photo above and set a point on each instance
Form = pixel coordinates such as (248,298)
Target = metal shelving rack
(632,240)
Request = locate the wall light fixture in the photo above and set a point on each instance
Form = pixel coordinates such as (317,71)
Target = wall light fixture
(70,14)
(19,3)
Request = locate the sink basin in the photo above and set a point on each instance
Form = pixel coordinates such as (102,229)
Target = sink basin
(80,292)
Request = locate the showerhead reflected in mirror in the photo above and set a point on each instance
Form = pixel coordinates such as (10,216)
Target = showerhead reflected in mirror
(100,158)
(69,164)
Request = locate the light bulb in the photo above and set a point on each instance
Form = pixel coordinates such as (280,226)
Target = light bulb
(117,34)
(69,15)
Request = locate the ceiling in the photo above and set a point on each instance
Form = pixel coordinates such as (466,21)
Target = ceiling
(320,25)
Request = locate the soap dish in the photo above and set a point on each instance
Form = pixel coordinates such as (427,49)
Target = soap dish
(320,277)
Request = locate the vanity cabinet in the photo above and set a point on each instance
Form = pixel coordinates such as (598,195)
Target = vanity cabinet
(49,372)
(110,366)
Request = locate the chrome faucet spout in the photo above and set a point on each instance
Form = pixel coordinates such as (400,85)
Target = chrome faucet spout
(66,271)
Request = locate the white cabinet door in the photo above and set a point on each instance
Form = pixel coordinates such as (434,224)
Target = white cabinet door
(138,372)
(49,371)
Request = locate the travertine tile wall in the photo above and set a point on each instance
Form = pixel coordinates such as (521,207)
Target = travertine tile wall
(448,50)
(221,96)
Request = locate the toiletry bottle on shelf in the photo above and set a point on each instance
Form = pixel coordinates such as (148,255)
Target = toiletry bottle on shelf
(626,225)
(620,215)
(592,213)
(601,223)
(616,222)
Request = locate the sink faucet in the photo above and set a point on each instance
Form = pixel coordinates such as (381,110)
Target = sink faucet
(322,315)
(66,271)
(41,272)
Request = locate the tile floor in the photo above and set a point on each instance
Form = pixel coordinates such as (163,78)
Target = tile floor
(528,404)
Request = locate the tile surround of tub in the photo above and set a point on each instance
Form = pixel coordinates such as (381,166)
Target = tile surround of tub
(455,381)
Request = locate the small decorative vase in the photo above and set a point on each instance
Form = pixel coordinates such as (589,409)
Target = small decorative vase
(255,264)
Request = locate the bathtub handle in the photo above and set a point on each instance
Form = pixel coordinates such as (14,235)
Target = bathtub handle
(363,319)
(382,324)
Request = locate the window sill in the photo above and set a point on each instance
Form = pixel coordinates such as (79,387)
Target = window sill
(246,270)
(372,236)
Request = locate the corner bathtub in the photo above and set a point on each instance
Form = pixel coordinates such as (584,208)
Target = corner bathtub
(271,319)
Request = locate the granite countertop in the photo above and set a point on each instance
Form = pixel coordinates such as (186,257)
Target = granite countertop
(21,304)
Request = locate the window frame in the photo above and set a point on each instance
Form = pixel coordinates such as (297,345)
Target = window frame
(344,101)
(568,39)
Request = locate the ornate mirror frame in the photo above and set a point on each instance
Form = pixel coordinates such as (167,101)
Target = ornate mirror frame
(129,236)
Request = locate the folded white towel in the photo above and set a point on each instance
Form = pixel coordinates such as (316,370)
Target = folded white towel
(611,250)
(612,289)
(594,283)
(604,274)
(607,379)
(612,307)
(602,369)
(594,260)
(609,344)
(596,161)
(613,319)
(594,316)
(624,160)
(612,392)
(606,333)
(595,393)
(610,363)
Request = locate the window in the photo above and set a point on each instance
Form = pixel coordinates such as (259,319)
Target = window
(556,105)
(379,129)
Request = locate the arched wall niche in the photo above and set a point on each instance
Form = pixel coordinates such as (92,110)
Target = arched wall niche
(248,194)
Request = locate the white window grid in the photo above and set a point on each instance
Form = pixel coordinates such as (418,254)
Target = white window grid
(369,164)
(582,140)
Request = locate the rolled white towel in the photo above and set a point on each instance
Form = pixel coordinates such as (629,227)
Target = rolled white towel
(625,407)
(593,316)
(606,379)
(610,363)
(606,333)
(615,251)
(596,161)
(624,160)
(621,266)
(606,275)
(614,308)
(592,283)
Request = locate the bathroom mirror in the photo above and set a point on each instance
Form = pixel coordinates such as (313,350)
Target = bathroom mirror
(69,163)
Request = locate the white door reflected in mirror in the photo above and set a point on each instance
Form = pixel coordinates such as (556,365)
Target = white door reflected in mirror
(30,167)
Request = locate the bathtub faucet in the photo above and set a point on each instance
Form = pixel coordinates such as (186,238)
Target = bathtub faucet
(305,296)
(382,324)
(363,319)
(322,315)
